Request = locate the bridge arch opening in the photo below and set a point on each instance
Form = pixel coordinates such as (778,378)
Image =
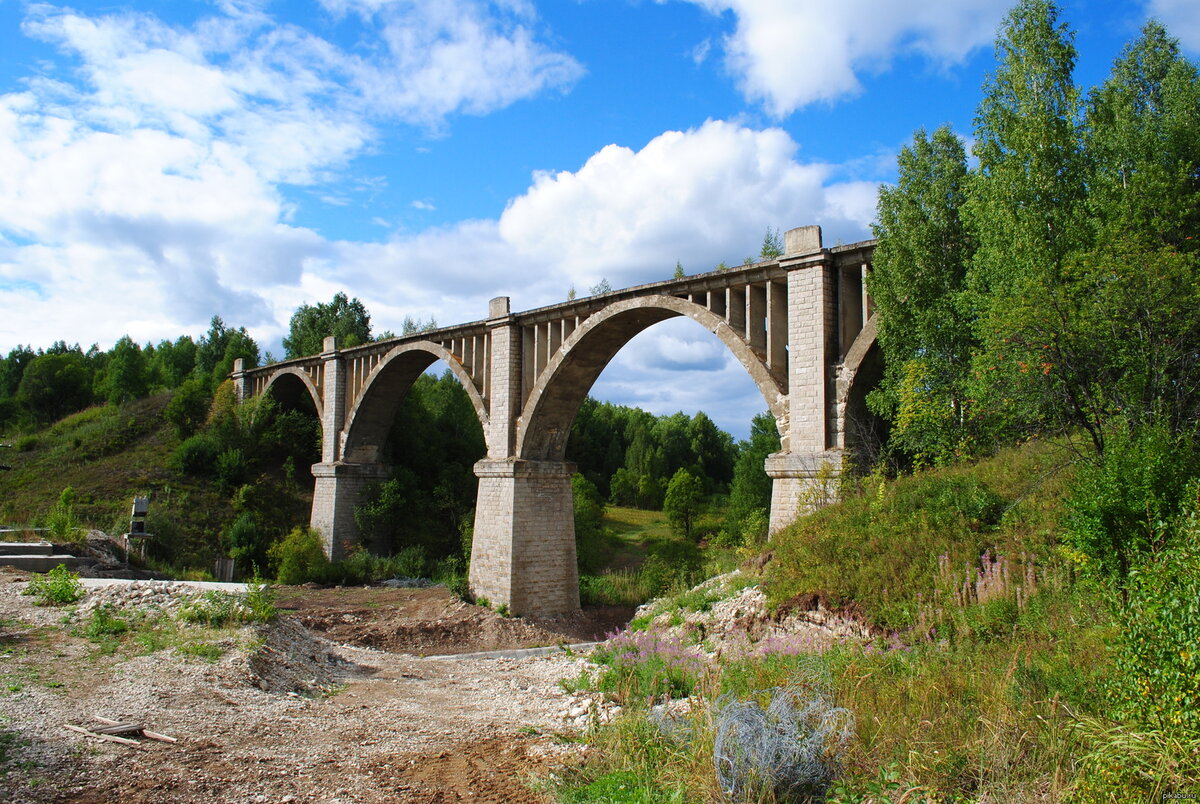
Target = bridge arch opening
(863,431)
(296,424)
(423,430)
(555,400)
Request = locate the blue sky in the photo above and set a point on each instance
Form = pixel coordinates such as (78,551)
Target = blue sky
(162,162)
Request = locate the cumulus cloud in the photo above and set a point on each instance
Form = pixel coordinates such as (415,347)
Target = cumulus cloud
(1181,20)
(701,197)
(150,175)
(790,53)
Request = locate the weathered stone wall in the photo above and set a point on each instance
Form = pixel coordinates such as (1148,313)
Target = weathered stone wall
(338,489)
(523,548)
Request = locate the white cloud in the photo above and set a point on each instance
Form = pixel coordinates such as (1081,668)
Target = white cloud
(701,196)
(1181,20)
(790,53)
(149,178)
(455,55)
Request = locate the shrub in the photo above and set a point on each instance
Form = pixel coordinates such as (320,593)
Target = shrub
(300,557)
(196,456)
(248,542)
(104,622)
(57,587)
(1158,652)
(188,407)
(1124,504)
(230,470)
(791,750)
(62,523)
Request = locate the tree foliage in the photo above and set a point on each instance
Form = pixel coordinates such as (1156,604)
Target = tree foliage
(682,502)
(344,318)
(918,284)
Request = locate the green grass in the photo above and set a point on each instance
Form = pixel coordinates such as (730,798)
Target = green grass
(645,560)
(1000,689)
(902,549)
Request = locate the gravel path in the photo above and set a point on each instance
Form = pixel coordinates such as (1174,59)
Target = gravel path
(283,715)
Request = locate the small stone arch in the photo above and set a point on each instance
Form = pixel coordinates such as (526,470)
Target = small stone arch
(287,389)
(368,421)
(554,401)
(862,431)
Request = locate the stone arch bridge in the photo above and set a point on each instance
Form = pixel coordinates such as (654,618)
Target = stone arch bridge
(800,325)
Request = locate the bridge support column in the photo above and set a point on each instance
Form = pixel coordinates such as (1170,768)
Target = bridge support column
(523,548)
(339,488)
(800,484)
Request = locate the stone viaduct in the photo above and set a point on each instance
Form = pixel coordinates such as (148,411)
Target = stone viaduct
(800,325)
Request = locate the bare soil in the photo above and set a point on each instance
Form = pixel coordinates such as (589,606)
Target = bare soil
(351,697)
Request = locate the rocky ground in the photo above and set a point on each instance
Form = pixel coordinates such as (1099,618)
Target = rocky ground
(331,704)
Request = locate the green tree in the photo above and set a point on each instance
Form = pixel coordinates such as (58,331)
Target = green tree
(54,385)
(127,373)
(918,283)
(188,407)
(344,318)
(772,245)
(412,326)
(173,363)
(1142,139)
(589,532)
(220,347)
(684,497)
(1025,202)
(750,491)
(679,274)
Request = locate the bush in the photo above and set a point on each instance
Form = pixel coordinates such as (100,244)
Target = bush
(300,558)
(188,407)
(789,751)
(196,456)
(1124,505)
(57,587)
(248,542)
(62,523)
(230,470)
(1158,651)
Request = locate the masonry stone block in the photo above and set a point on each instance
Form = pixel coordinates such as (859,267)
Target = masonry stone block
(523,547)
(338,490)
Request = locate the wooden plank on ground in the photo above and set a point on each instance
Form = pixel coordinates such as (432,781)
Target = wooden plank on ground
(109,737)
(153,735)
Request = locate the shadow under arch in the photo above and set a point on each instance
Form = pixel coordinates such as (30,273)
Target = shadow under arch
(368,422)
(555,399)
(863,431)
(288,386)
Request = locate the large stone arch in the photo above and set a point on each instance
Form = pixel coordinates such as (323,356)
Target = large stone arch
(555,399)
(369,420)
(287,384)
(862,431)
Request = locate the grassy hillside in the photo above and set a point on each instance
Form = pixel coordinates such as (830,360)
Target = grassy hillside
(1000,672)
(109,455)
